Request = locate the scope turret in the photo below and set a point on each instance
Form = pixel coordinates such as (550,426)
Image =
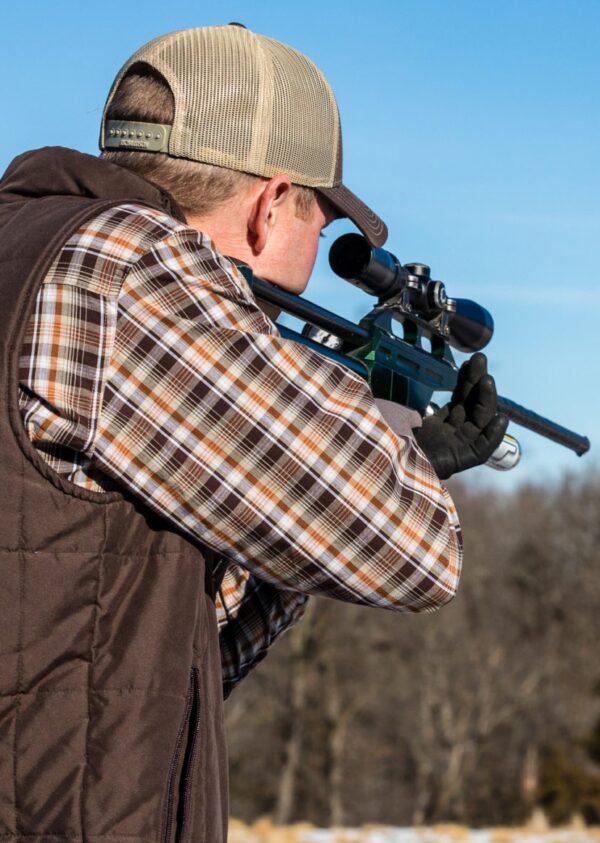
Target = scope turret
(411,291)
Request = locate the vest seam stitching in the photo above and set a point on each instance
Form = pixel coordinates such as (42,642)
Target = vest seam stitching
(49,691)
(94,628)
(19,683)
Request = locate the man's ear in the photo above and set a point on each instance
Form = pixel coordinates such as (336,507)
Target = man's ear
(265,212)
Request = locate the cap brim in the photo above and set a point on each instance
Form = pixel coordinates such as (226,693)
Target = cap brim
(372,226)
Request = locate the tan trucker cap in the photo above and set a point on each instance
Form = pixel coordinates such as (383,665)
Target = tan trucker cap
(249,103)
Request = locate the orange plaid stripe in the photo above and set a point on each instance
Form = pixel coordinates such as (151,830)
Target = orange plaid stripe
(148,364)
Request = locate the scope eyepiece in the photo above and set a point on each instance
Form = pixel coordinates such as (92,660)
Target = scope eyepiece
(376,271)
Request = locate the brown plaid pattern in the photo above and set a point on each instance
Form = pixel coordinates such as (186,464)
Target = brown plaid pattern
(147,363)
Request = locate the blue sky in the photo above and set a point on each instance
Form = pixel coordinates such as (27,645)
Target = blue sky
(472,128)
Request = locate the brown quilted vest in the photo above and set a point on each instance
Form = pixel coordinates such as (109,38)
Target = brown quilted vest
(111,712)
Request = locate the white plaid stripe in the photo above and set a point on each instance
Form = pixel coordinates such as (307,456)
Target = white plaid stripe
(147,363)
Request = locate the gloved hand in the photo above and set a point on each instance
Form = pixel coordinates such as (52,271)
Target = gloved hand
(466,431)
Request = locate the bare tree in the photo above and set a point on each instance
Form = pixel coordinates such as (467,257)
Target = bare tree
(362,715)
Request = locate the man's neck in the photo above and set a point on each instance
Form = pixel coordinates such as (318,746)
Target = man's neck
(229,235)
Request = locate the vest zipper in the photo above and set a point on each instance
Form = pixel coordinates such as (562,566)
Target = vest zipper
(189,728)
(187,773)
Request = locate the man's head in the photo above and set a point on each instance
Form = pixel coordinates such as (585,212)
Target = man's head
(229,121)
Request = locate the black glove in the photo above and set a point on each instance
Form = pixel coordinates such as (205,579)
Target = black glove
(467,431)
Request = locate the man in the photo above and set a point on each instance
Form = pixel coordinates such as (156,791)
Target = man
(156,422)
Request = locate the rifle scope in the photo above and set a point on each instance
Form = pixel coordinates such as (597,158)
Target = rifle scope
(410,287)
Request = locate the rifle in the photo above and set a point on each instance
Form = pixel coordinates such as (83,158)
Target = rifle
(402,369)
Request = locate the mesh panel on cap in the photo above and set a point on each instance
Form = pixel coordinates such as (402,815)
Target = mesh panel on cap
(305,128)
(218,78)
(246,102)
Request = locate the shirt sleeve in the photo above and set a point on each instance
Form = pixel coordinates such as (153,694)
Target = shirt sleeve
(263,449)
(251,615)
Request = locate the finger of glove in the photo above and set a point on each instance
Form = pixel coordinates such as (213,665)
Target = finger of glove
(477,449)
(482,403)
(468,434)
(457,415)
(476,411)
(491,436)
(471,371)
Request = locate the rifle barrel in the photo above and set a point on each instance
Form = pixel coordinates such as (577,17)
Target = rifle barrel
(544,427)
(351,333)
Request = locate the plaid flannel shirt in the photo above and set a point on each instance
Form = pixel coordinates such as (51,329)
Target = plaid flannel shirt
(148,364)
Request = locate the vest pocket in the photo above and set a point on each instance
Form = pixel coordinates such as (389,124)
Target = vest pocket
(176,814)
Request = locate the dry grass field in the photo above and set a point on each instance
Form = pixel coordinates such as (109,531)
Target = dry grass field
(264,832)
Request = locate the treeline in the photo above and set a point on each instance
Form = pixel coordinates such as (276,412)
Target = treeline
(474,714)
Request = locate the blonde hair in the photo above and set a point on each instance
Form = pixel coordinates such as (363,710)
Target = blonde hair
(144,96)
